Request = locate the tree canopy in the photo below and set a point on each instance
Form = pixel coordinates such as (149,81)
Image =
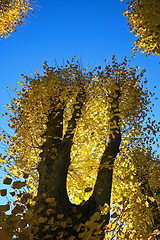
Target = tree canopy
(82,150)
(144,21)
(12,13)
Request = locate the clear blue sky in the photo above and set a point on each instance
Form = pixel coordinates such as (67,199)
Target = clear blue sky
(91,30)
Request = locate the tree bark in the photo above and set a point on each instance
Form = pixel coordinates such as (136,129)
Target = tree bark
(64,219)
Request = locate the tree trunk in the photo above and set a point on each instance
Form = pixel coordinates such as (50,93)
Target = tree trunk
(59,218)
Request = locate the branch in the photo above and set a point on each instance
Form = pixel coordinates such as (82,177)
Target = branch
(63,155)
(102,189)
(68,137)
(53,134)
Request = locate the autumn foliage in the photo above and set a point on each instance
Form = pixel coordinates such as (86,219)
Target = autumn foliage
(12,13)
(144,21)
(82,150)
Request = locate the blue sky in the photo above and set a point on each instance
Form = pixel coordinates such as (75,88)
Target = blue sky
(91,30)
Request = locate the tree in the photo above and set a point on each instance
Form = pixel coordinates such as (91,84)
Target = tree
(79,135)
(12,13)
(144,21)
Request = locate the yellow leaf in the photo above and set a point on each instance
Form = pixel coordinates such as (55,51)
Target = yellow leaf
(3,192)
(18,184)
(42,219)
(60,216)
(4,208)
(48,236)
(7,181)
(50,211)
(147,204)
(95,217)
(105,209)
(63,224)
(79,216)
(114,215)
(88,189)
(49,200)
(17,209)
(152,199)
(44,195)
(51,221)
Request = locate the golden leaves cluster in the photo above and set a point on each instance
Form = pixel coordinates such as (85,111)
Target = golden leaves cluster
(144,21)
(12,13)
(59,86)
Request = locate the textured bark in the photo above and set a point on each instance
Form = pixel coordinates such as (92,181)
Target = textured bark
(70,219)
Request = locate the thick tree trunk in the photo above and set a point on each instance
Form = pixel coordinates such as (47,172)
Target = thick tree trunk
(60,219)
